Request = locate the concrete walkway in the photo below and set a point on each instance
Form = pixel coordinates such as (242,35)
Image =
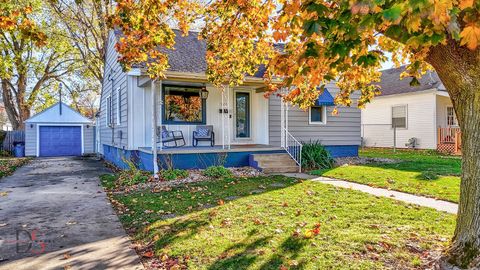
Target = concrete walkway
(55,215)
(381,192)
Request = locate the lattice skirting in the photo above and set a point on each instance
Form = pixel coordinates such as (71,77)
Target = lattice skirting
(447,148)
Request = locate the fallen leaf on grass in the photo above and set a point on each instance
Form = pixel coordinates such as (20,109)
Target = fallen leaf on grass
(257,221)
(148,254)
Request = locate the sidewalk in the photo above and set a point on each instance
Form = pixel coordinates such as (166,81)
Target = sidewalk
(439,205)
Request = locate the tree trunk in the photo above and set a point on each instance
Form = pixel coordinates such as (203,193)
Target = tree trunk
(9,102)
(459,70)
(17,109)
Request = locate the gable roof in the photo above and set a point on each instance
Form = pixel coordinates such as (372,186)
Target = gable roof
(52,115)
(189,53)
(391,84)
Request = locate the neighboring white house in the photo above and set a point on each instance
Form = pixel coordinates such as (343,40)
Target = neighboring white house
(59,131)
(4,122)
(423,112)
(244,122)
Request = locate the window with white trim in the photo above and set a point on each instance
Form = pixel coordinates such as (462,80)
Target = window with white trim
(108,111)
(451,117)
(317,115)
(119,106)
(399,116)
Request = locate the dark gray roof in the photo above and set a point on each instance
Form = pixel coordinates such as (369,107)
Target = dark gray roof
(391,84)
(189,54)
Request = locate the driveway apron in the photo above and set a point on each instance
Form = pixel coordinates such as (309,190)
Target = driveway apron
(54,214)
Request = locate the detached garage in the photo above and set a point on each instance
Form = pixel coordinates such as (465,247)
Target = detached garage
(59,131)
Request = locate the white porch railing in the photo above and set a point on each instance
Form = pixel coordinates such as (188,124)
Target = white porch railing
(293,148)
(287,141)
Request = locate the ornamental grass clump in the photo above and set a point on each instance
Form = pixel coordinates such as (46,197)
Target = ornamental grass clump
(315,156)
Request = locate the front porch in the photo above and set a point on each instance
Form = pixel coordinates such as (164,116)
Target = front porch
(172,114)
(449,140)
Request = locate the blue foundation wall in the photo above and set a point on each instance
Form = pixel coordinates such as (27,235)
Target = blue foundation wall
(144,160)
(342,150)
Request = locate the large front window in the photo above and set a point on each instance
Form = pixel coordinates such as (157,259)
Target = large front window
(183,105)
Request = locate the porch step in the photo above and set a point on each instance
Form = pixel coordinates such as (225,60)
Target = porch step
(273,163)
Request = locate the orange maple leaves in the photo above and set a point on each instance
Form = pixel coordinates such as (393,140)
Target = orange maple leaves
(17,21)
(321,40)
(471,36)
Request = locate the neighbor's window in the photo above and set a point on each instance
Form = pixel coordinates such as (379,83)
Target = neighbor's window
(451,117)
(318,115)
(183,104)
(399,116)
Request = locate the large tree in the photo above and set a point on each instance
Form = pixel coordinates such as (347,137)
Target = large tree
(85,22)
(326,40)
(33,52)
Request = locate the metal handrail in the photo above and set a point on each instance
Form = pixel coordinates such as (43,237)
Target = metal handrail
(293,148)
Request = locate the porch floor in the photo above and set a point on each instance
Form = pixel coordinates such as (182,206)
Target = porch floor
(214,149)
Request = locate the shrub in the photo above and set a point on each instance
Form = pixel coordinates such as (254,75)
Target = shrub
(217,172)
(173,174)
(315,156)
(133,175)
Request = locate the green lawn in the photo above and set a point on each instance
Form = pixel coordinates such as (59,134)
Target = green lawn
(419,172)
(9,165)
(276,223)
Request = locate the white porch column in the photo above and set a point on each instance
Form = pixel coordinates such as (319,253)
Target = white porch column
(222,116)
(229,121)
(282,119)
(286,124)
(161,112)
(154,130)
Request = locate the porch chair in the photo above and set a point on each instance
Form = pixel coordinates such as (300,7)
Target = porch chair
(203,133)
(168,136)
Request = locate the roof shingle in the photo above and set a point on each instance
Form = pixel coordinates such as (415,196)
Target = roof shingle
(391,84)
(189,54)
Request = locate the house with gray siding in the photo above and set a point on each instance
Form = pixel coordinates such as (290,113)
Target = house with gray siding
(185,122)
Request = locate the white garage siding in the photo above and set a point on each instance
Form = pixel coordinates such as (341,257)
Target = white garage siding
(114,78)
(341,129)
(31,137)
(31,140)
(421,120)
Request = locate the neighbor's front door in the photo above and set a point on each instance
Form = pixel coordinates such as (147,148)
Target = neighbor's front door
(242,115)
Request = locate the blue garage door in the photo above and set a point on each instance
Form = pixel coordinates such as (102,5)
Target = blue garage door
(60,141)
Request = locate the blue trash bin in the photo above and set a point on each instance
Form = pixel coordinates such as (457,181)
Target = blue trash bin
(19,150)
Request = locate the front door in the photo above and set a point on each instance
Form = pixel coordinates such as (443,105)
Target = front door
(242,115)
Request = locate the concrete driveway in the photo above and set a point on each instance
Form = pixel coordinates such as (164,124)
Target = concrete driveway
(55,215)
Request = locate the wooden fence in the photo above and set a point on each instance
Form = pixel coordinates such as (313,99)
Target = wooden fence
(11,138)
